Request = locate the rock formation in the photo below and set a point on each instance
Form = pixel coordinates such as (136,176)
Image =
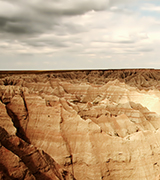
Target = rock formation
(101,124)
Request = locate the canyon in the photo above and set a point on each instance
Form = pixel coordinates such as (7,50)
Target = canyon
(80,125)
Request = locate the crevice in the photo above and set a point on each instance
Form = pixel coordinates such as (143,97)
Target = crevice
(66,141)
(38,162)
(25,105)
(5,172)
(49,79)
(20,130)
(19,124)
(52,163)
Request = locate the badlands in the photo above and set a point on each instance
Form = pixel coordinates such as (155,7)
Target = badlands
(80,125)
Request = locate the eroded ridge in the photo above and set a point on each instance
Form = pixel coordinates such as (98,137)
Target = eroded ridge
(85,124)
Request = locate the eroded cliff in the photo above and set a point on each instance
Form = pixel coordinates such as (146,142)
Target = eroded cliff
(80,125)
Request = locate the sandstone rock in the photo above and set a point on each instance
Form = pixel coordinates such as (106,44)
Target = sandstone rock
(6,121)
(26,161)
(17,110)
(12,165)
(81,124)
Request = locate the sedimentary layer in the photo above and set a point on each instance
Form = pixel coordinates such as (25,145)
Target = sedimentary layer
(101,124)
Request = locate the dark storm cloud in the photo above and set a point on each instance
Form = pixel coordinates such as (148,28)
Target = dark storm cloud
(138,50)
(82,30)
(46,43)
(25,20)
(123,42)
(69,7)
(22,17)
(28,18)
(26,54)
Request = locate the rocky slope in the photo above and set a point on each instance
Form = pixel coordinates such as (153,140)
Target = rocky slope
(102,124)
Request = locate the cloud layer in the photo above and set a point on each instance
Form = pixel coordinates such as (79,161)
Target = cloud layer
(69,34)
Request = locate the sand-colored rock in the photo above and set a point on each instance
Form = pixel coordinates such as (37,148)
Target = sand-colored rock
(20,160)
(81,124)
(6,121)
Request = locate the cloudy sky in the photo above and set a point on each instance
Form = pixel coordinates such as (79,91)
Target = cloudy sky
(79,34)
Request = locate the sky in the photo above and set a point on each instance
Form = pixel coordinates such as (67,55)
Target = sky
(79,34)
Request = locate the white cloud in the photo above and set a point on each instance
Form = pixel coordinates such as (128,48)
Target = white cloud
(70,33)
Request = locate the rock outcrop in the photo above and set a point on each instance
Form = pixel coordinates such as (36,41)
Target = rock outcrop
(80,125)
